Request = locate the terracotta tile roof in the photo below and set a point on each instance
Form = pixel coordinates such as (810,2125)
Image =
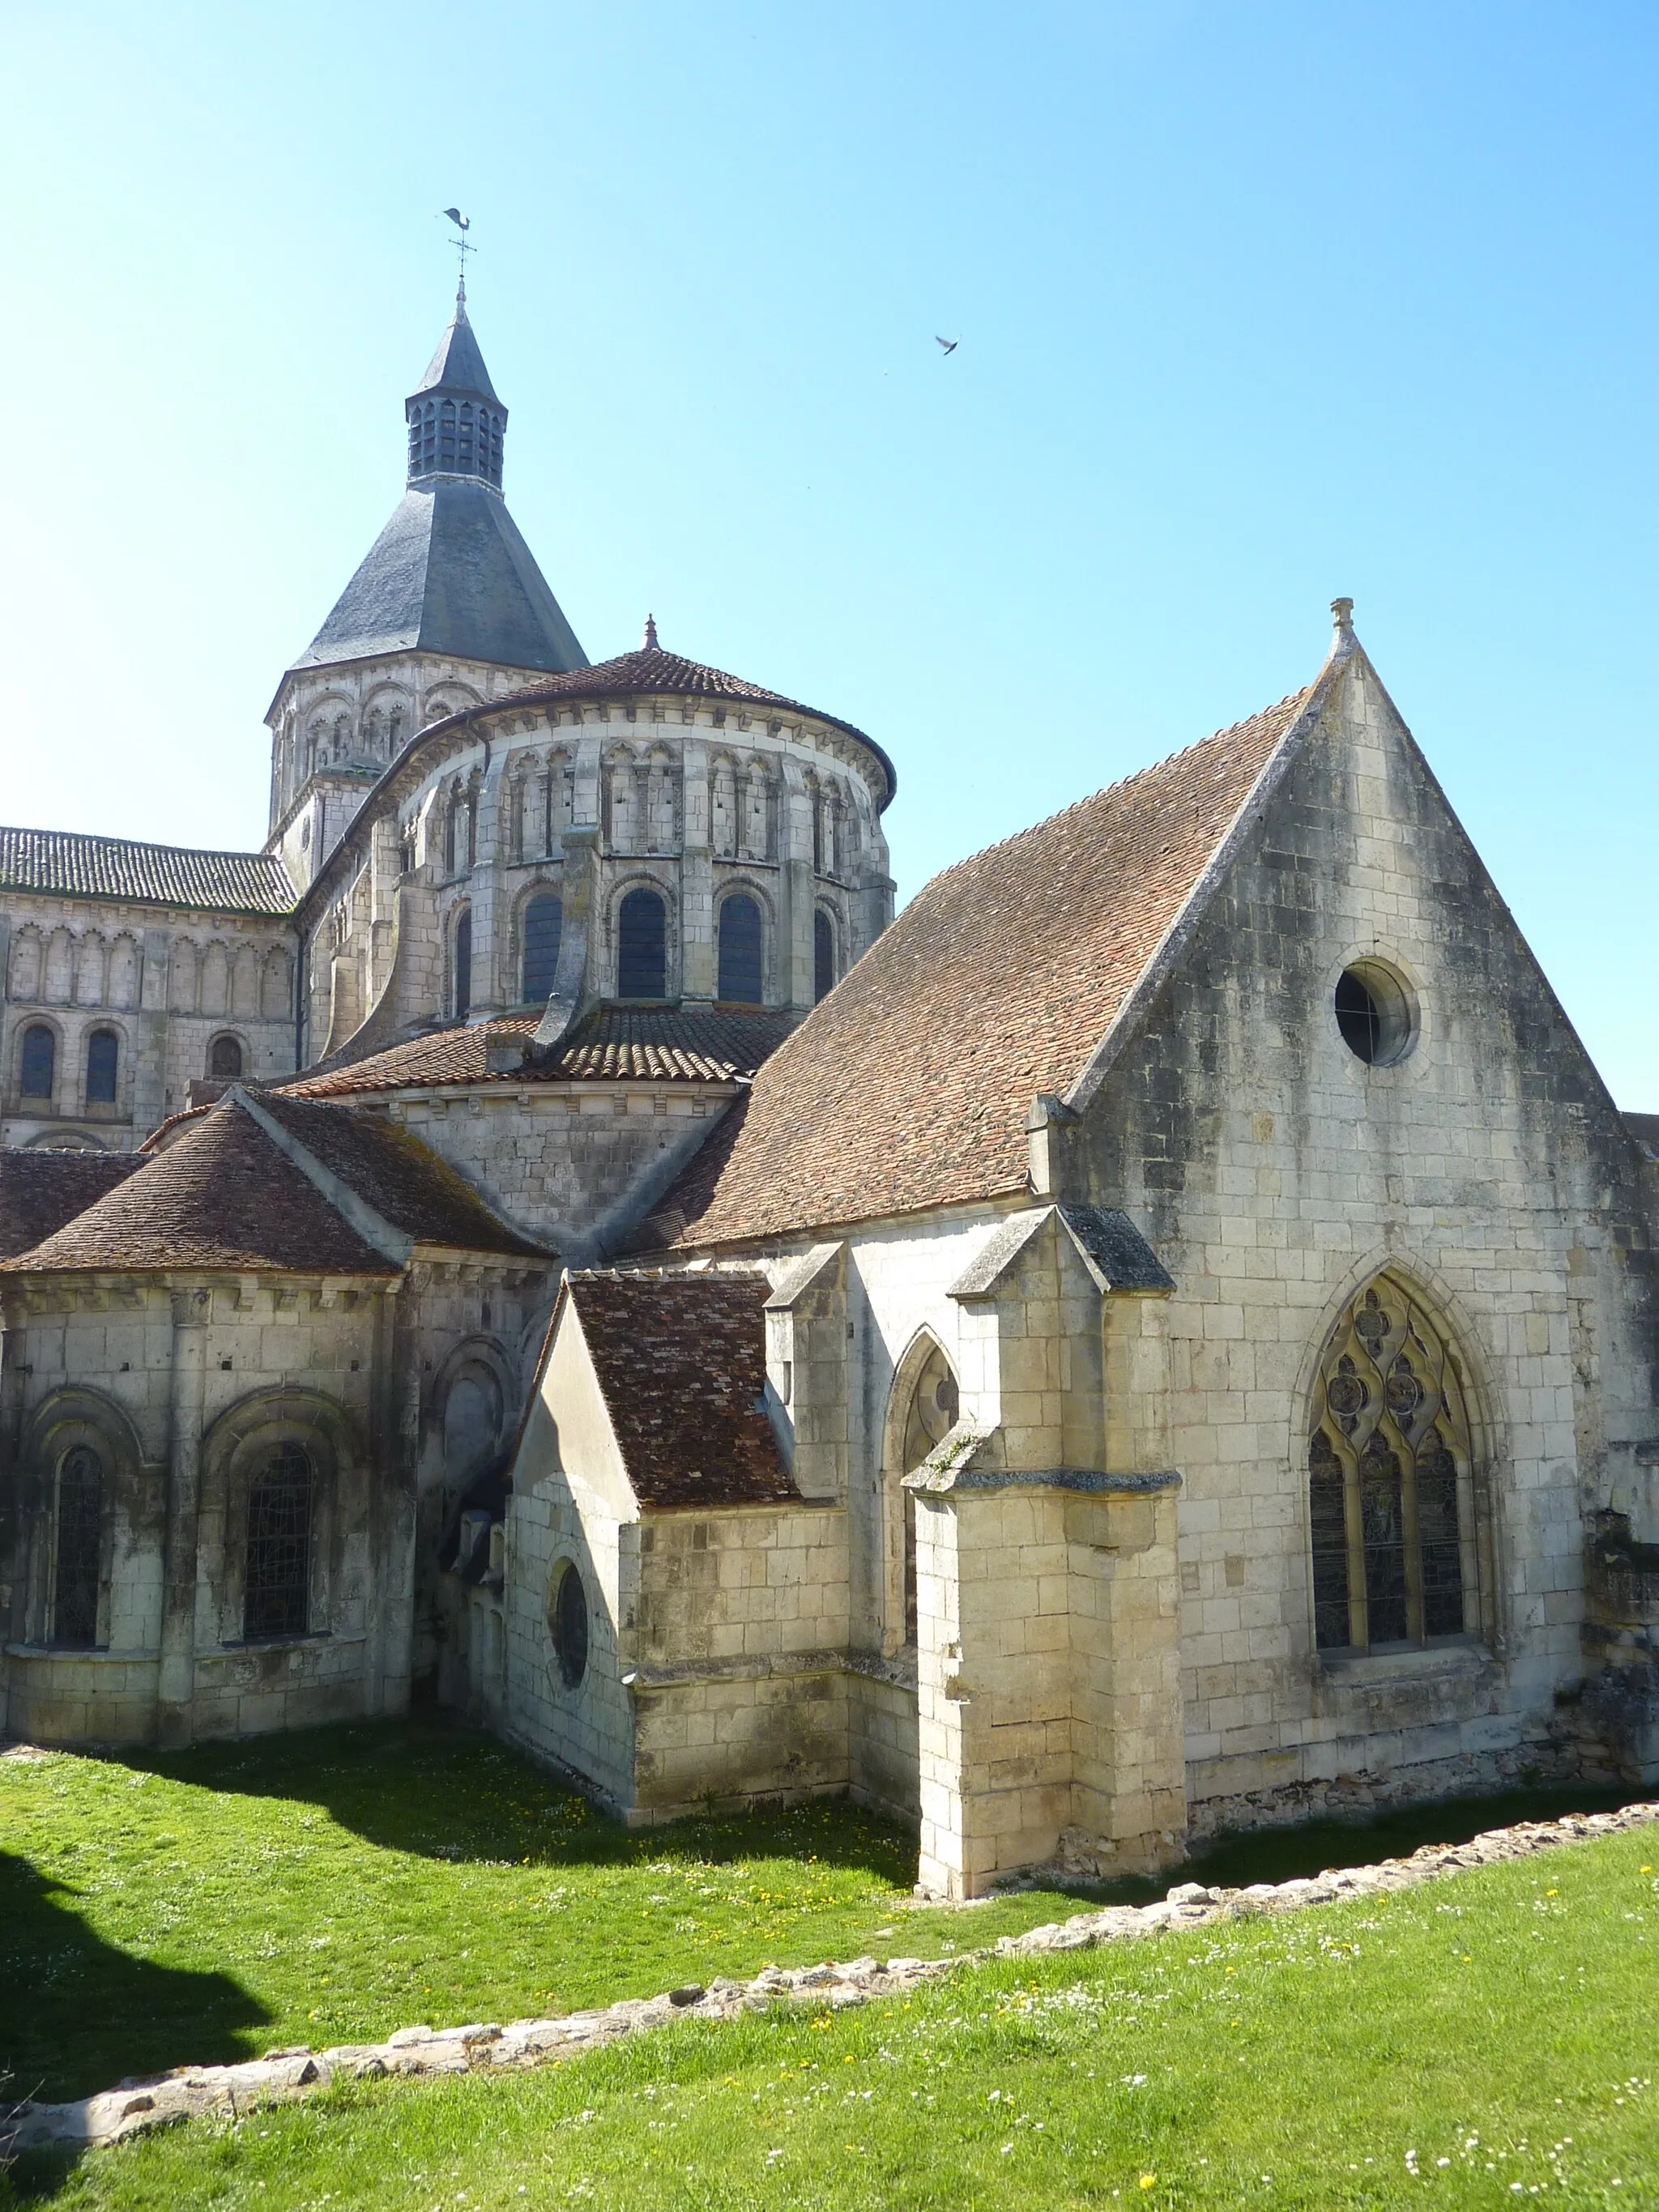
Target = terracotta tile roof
(639,675)
(40,1191)
(74,866)
(614,1044)
(220,1197)
(681,1362)
(909,1085)
(407,1185)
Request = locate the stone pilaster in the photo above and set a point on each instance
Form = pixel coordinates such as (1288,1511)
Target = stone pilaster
(177,1681)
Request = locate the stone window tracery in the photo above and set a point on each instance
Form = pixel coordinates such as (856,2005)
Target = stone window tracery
(1390,1479)
(277,1600)
(79,1549)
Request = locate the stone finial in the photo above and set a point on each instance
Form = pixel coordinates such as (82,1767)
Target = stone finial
(1342,613)
(648,642)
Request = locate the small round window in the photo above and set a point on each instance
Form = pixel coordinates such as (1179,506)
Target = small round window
(567,1619)
(1375,1013)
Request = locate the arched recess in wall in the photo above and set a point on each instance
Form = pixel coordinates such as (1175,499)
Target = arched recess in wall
(78,1454)
(460,964)
(103,1066)
(1398,1521)
(273,1467)
(226,1059)
(37,1063)
(825,966)
(474,1397)
(922,1408)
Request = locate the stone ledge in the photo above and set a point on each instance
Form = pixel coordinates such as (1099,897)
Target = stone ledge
(136,2107)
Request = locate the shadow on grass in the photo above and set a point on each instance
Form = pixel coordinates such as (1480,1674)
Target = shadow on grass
(437,1789)
(69,1990)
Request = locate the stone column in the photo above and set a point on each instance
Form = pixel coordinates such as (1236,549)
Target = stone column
(697,976)
(796,885)
(489,921)
(394,1450)
(177,1681)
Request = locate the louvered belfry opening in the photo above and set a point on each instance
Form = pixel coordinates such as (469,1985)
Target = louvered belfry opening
(1390,1485)
(277,1591)
(79,1549)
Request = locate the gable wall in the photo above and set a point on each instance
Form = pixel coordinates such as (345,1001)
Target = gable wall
(1275,1172)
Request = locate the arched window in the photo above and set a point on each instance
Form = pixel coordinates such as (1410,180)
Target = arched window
(543,919)
(1389,1486)
(38,1061)
(79,1545)
(740,950)
(642,946)
(567,1621)
(935,1405)
(823,956)
(225,1061)
(103,1066)
(464,965)
(277,1588)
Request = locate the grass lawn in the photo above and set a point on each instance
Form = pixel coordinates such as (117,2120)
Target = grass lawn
(333,1886)
(1475,2042)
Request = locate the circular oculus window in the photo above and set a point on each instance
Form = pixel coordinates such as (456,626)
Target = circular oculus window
(1375,1014)
(567,1621)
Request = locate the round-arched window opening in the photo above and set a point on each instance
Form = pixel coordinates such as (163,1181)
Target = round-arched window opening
(567,1621)
(1375,1013)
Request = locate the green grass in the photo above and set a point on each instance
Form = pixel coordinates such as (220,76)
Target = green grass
(331,1886)
(1502,2022)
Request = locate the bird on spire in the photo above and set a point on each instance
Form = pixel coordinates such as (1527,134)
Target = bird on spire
(463,224)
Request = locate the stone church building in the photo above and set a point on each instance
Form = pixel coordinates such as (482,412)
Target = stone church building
(1162,1334)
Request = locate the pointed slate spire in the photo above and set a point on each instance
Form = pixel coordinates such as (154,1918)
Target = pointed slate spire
(457,425)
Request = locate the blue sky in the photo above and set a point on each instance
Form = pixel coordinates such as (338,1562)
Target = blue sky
(1257,304)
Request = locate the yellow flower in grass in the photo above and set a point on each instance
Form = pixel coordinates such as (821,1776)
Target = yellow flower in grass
(1148,2180)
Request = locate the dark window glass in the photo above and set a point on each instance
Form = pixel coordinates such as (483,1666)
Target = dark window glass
(80,1537)
(740,950)
(1358,1017)
(278,1588)
(103,1062)
(39,1061)
(1330,1546)
(464,966)
(1436,1530)
(543,919)
(823,956)
(642,947)
(569,1627)
(226,1064)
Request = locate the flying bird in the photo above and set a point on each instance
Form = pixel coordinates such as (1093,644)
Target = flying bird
(950,345)
(461,221)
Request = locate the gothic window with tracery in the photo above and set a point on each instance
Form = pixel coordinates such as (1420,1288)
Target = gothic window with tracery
(277,1588)
(80,1546)
(1389,1481)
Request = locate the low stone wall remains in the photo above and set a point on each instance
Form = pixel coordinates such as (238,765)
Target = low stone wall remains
(431,2054)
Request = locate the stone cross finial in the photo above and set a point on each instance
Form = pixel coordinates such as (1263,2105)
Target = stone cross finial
(648,642)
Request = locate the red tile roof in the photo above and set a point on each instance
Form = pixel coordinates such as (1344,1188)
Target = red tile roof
(74,866)
(681,1362)
(221,1197)
(614,1044)
(909,1085)
(40,1191)
(408,1186)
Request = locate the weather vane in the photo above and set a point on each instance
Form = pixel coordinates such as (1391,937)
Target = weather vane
(463,223)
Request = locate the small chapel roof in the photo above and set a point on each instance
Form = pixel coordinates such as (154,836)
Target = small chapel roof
(910,1086)
(40,1191)
(221,1197)
(612,1044)
(69,864)
(680,1361)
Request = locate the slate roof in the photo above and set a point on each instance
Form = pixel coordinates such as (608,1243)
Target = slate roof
(221,1197)
(909,1085)
(457,365)
(650,670)
(613,1044)
(681,1363)
(40,1191)
(407,1185)
(74,866)
(449,574)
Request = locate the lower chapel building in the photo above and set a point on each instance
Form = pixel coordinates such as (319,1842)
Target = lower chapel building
(1162,1334)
